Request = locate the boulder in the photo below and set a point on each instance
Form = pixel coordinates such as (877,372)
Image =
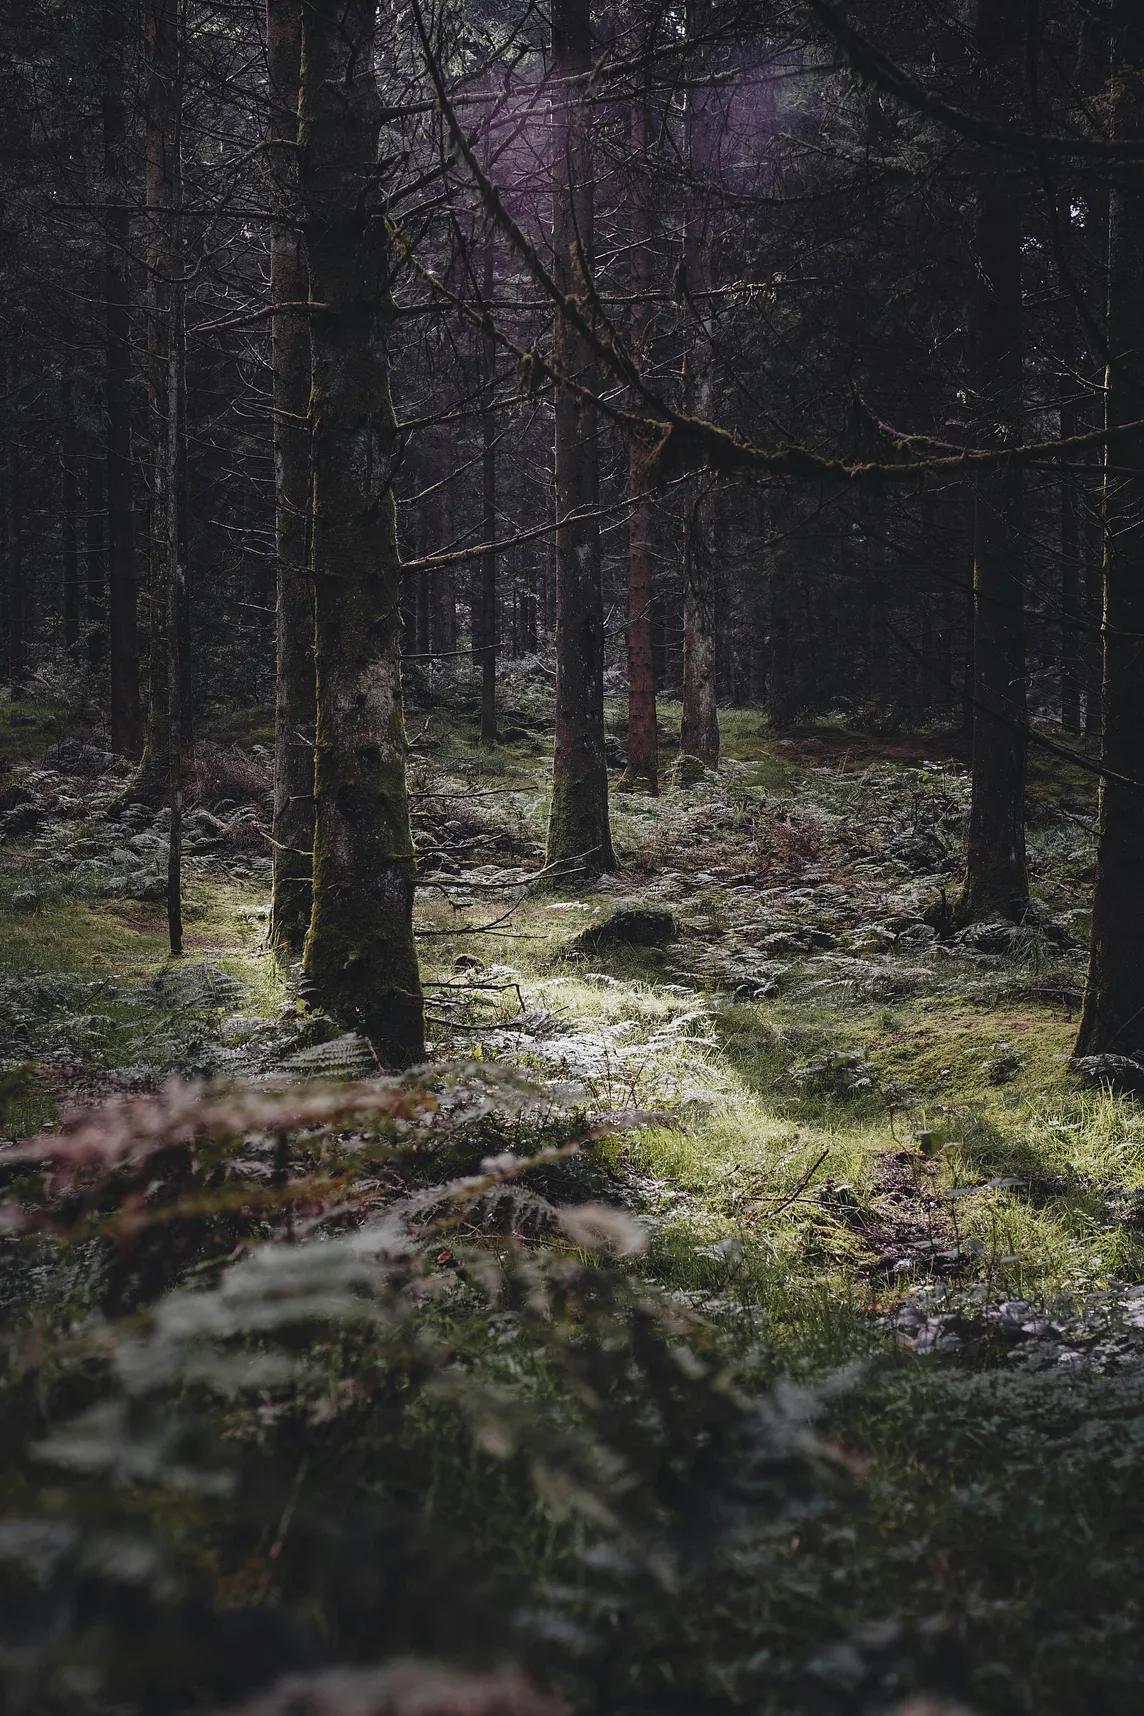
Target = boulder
(628,926)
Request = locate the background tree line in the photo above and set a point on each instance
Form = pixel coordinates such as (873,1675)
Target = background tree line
(735,351)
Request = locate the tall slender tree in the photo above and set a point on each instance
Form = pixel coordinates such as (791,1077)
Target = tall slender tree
(122,584)
(360,956)
(579,832)
(642,771)
(1112,1021)
(163,119)
(487,574)
(293,826)
(95,557)
(69,517)
(165,765)
(699,731)
(996,882)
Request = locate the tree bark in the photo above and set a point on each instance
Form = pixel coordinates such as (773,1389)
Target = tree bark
(1070,581)
(293,825)
(95,561)
(165,762)
(360,957)
(642,771)
(488,567)
(122,596)
(579,833)
(16,655)
(996,883)
(699,731)
(1112,1020)
(69,519)
(162,191)
(176,568)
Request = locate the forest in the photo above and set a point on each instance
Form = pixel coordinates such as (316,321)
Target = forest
(571,857)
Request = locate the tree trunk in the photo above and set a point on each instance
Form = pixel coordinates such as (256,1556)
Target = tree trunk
(360,957)
(95,561)
(1093,604)
(162,148)
(16,662)
(1112,1021)
(122,618)
(699,731)
(165,759)
(642,771)
(579,834)
(444,581)
(176,566)
(69,519)
(996,878)
(488,568)
(1070,582)
(293,827)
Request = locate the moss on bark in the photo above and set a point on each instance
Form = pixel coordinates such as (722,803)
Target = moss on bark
(360,956)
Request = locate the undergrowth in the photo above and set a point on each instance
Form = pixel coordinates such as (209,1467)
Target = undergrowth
(743,1313)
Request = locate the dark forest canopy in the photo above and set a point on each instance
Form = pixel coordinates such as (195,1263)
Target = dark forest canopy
(464,463)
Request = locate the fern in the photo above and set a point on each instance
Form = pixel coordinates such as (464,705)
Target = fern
(347,1056)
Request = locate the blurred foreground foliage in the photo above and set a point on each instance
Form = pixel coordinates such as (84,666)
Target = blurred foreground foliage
(280,1399)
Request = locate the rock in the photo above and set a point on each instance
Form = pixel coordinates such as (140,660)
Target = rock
(628,926)
(25,900)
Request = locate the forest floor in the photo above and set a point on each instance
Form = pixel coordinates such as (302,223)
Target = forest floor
(872,1170)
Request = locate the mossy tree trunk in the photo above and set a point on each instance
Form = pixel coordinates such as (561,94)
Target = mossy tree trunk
(1112,1021)
(293,827)
(996,883)
(360,957)
(699,727)
(579,833)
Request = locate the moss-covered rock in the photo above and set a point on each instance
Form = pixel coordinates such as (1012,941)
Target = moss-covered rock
(628,926)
